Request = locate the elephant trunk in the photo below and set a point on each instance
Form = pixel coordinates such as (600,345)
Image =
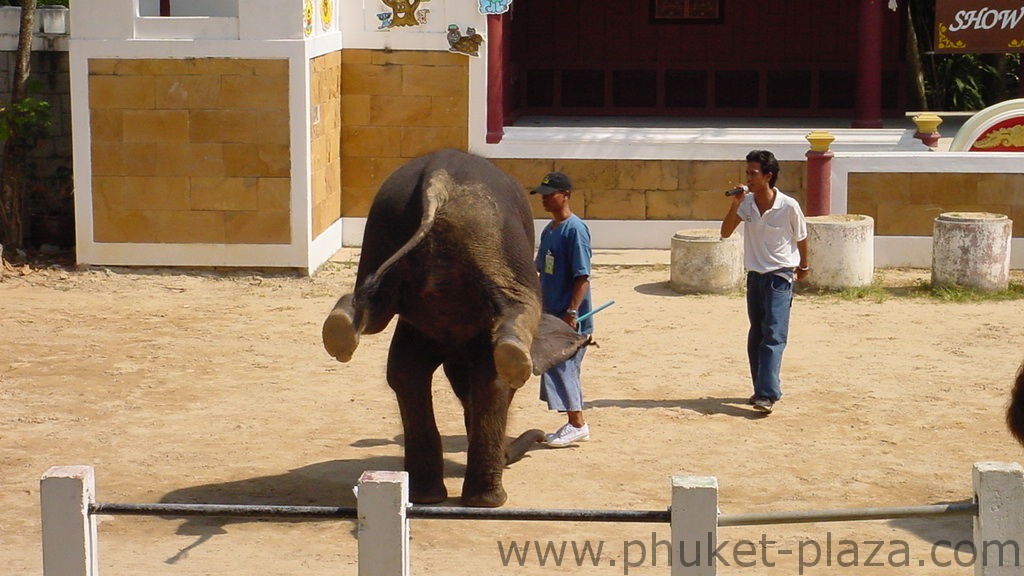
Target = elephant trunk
(1015,413)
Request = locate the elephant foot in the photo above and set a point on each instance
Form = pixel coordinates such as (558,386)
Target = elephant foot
(340,335)
(433,494)
(512,361)
(521,445)
(492,498)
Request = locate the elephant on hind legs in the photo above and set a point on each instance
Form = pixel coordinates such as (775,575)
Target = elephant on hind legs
(448,248)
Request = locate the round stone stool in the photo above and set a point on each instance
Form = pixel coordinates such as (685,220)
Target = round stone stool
(841,250)
(972,249)
(704,262)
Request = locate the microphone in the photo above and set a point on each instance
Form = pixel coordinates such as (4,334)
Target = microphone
(737,190)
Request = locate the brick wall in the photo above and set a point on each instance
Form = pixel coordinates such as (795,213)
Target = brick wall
(193,150)
(906,204)
(647,189)
(325,96)
(395,106)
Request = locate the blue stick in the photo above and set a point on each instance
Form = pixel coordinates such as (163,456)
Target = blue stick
(595,310)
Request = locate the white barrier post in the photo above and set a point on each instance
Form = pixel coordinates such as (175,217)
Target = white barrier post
(694,525)
(383,527)
(69,531)
(999,526)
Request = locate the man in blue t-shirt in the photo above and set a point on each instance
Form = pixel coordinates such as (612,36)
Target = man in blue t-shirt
(563,261)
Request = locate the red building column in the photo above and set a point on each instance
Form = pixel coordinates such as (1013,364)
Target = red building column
(868,112)
(495,78)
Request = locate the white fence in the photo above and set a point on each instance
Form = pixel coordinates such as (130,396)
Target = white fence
(69,511)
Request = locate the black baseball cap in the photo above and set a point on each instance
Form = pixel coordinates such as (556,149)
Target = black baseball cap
(553,182)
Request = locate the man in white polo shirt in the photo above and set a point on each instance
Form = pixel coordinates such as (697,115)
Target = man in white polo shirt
(774,250)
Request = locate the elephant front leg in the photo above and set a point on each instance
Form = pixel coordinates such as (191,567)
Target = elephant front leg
(341,330)
(512,339)
(412,361)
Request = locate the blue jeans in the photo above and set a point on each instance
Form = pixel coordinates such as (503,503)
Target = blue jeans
(769,299)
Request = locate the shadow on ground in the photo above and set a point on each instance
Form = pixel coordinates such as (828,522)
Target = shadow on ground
(737,407)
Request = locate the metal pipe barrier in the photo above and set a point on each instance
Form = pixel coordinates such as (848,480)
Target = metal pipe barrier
(69,512)
(536,514)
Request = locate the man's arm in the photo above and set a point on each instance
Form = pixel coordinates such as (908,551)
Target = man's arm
(580,285)
(732,218)
(802,271)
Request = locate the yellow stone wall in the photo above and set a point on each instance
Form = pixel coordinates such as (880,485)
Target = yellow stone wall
(325,96)
(906,204)
(190,150)
(647,189)
(395,106)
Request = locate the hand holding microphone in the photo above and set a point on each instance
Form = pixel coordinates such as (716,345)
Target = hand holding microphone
(739,190)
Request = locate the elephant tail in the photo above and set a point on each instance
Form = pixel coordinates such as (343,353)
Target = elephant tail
(1015,413)
(435,193)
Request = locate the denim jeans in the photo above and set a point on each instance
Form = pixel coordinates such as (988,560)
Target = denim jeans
(769,299)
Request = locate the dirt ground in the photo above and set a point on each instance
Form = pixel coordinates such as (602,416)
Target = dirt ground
(186,386)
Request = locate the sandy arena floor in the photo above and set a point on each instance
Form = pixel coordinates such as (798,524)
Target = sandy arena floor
(213,387)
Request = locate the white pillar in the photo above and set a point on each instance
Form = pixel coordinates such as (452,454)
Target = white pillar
(999,526)
(69,531)
(694,525)
(383,527)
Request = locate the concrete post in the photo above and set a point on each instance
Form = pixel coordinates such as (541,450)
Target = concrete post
(999,526)
(702,262)
(841,250)
(69,531)
(383,531)
(694,525)
(819,173)
(972,249)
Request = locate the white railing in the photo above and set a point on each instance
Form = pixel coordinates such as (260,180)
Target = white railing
(383,513)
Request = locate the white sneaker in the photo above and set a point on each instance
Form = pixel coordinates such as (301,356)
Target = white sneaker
(568,434)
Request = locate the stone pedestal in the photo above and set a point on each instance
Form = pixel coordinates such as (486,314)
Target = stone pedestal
(840,250)
(704,262)
(972,249)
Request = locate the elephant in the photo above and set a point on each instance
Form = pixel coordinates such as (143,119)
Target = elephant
(1015,413)
(448,248)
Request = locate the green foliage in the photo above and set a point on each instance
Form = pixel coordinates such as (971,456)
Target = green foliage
(966,82)
(28,119)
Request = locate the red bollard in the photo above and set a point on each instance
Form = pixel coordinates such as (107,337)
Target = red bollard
(819,174)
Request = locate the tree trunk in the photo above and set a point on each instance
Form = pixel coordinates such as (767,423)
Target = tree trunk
(916,67)
(12,182)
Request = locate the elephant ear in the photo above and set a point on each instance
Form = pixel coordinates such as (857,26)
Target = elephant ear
(554,343)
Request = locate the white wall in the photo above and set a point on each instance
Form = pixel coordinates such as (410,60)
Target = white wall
(191,8)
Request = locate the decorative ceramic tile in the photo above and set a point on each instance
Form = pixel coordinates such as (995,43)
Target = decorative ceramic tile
(326,13)
(404,13)
(307,17)
(494,6)
(468,44)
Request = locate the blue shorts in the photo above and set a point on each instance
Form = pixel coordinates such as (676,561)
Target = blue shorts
(560,386)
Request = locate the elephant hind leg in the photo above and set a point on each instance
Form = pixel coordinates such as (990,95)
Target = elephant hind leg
(412,360)
(340,332)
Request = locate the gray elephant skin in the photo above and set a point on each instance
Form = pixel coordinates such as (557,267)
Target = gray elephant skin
(448,248)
